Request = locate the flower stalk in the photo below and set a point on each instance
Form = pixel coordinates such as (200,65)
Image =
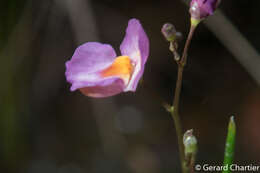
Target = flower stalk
(176,100)
(171,35)
(199,10)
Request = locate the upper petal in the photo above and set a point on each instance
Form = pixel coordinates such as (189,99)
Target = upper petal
(88,59)
(136,46)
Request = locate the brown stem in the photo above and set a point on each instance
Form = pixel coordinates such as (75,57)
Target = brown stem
(176,118)
(175,113)
(192,162)
(187,45)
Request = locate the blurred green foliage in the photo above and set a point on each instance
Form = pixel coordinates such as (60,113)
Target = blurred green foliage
(10,12)
(10,135)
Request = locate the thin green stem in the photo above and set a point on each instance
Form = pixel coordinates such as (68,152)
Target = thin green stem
(175,112)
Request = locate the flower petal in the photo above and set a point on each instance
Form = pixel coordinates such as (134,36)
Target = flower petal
(88,59)
(104,88)
(136,46)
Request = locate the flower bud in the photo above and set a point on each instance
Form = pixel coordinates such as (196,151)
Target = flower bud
(190,143)
(169,32)
(200,9)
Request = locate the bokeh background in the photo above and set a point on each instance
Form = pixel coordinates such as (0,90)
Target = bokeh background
(45,128)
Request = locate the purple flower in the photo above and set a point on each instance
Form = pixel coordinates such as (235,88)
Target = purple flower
(96,71)
(200,9)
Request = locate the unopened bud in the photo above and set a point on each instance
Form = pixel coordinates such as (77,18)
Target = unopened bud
(190,143)
(169,32)
(200,9)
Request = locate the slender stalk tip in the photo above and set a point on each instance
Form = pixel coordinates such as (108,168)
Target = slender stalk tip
(232,124)
(230,145)
(232,119)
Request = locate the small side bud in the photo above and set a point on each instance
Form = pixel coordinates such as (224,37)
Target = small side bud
(171,35)
(190,143)
(168,107)
(169,32)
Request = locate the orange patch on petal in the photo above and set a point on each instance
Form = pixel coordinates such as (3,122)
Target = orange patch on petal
(121,67)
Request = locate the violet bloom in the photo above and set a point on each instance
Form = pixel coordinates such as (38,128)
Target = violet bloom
(200,9)
(96,71)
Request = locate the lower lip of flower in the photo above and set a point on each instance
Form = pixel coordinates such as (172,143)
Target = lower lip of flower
(121,67)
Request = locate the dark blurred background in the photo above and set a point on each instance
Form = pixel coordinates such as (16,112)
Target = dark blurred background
(45,128)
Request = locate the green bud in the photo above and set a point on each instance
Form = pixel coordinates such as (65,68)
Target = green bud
(190,143)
